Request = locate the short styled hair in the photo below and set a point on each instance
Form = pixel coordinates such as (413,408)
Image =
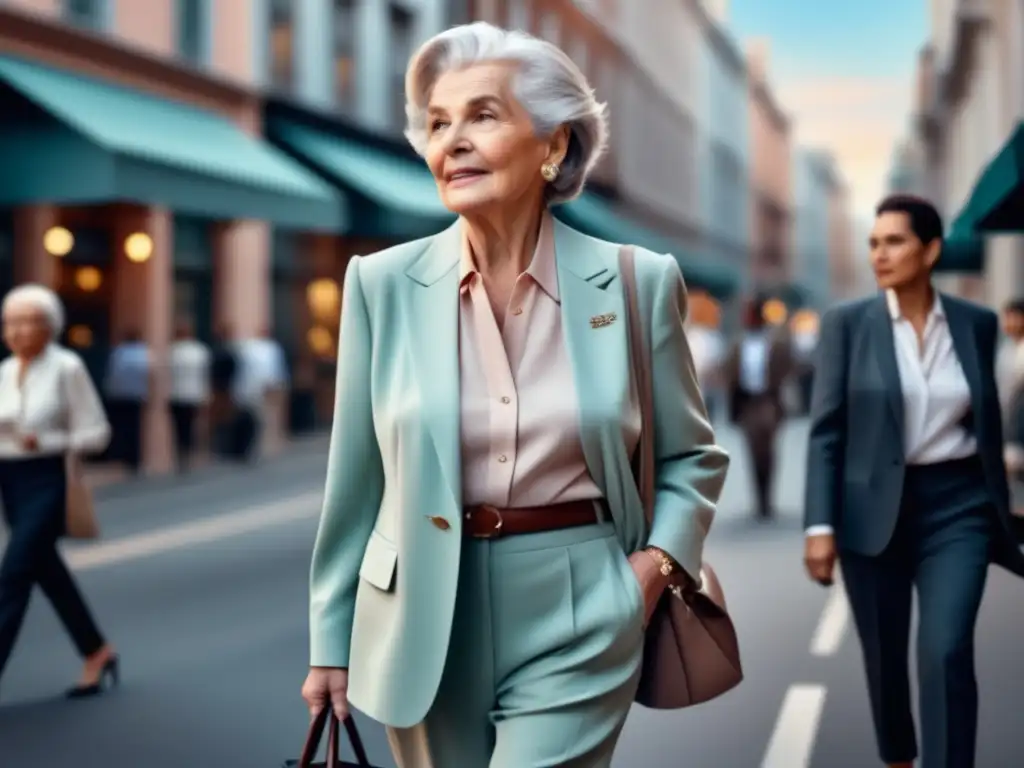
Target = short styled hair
(41,298)
(548,84)
(925,221)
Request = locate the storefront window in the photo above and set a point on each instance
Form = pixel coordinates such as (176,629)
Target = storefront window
(84,13)
(193,28)
(402,41)
(344,53)
(282,44)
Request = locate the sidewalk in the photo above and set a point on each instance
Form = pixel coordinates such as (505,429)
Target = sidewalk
(113,481)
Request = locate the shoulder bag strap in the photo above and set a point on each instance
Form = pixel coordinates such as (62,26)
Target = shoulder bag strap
(640,362)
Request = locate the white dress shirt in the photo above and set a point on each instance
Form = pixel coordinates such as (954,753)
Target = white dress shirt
(55,401)
(190,372)
(936,395)
(754,350)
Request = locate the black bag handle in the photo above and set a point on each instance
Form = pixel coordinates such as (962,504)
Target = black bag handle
(326,717)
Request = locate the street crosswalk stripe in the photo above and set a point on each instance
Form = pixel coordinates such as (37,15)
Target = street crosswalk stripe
(83,557)
(792,742)
(835,619)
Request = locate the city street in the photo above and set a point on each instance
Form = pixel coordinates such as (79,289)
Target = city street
(203,590)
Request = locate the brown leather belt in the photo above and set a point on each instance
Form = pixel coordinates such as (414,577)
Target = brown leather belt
(487,522)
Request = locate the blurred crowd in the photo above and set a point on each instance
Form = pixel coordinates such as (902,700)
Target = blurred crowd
(756,378)
(221,394)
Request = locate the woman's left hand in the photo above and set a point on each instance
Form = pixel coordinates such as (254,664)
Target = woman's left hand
(651,580)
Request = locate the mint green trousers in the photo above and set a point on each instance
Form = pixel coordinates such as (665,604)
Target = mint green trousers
(544,659)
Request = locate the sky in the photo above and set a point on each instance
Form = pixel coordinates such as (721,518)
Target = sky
(843,70)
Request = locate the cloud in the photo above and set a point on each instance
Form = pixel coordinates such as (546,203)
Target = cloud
(859,119)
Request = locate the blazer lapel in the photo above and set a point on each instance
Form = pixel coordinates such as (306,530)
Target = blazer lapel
(595,328)
(885,351)
(965,344)
(433,326)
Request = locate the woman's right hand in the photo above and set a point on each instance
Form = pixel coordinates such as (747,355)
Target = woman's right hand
(326,685)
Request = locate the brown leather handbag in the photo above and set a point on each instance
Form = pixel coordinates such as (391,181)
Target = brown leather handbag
(691,652)
(333,759)
(80,520)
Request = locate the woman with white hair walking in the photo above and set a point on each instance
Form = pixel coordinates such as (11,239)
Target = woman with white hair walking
(483,569)
(48,407)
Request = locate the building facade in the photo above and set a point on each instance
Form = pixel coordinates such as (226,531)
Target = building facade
(847,251)
(972,97)
(814,183)
(723,142)
(771,166)
(173,207)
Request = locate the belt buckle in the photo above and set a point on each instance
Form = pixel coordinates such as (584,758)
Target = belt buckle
(499,522)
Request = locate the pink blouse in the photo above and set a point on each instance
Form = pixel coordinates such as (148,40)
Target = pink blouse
(520,414)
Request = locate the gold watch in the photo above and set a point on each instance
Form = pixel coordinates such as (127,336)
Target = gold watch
(666,564)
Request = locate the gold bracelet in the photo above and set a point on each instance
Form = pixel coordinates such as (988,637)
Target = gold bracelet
(665,563)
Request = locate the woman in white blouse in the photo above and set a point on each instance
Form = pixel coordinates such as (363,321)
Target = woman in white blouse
(48,407)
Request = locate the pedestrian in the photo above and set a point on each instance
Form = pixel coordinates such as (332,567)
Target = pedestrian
(190,390)
(129,383)
(483,569)
(756,371)
(906,484)
(48,407)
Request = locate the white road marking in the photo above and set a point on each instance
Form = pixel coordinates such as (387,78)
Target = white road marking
(125,549)
(792,741)
(835,619)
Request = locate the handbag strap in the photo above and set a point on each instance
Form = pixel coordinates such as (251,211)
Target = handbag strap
(640,362)
(316,732)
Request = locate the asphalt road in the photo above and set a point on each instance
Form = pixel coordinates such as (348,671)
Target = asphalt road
(202,586)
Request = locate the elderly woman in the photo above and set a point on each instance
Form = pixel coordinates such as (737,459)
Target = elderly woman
(48,407)
(483,569)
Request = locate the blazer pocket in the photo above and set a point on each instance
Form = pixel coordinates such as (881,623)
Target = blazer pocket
(379,562)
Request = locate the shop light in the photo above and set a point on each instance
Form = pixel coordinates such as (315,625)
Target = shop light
(323,298)
(88,279)
(58,241)
(138,247)
(80,336)
(774,312)
(320,341)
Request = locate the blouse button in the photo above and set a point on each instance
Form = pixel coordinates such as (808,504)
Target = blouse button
(506,400)
(503,458)
(517,311)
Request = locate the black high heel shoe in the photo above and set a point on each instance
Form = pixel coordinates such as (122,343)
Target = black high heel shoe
(110,677)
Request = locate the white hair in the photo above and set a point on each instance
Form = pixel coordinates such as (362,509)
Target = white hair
(41,298)
(547,83)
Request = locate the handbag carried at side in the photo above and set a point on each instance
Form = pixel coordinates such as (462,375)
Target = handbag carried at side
(327,719)
(80,521)
(691,652)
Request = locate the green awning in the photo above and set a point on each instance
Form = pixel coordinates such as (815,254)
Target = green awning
(996,203)
(392,197)
(962,252)
(598,218)
(70,139)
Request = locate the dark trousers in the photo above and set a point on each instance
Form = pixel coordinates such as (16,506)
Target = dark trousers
(941,546)
(183,417)
(33,495)
(126,431)
(758,418)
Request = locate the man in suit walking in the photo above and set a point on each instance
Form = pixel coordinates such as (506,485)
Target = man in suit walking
(906,484)
(756,370)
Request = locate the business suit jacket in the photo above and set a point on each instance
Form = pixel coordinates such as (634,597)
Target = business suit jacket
(855,461)
(384,576)
(780,366)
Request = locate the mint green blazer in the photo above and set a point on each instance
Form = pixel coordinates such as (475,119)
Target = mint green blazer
(383,576)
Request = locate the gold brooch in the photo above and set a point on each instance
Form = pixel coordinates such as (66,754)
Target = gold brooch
(600,321)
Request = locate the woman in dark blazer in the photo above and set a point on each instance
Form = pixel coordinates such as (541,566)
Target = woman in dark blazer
(906,484)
